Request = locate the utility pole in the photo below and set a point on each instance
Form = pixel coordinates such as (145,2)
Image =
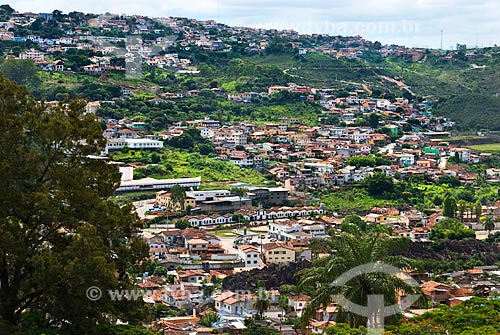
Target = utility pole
(261,238)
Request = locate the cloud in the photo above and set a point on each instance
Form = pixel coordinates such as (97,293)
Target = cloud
(416,22)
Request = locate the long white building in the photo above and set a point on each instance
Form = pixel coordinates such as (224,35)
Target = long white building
(132,143)
(157,184)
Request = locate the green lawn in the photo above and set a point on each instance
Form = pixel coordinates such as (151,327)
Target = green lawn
(462,138)
(353,200)
(493,148)
(224,233)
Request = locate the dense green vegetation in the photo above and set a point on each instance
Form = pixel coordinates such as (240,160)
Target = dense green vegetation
(59,232)
(418,192)
(475,316)
(466,107)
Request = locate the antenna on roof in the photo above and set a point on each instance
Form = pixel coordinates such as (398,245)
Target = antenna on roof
(441,39)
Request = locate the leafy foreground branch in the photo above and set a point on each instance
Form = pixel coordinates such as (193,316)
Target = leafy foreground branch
(59,233)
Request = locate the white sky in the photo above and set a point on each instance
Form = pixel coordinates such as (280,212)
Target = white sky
(410,23)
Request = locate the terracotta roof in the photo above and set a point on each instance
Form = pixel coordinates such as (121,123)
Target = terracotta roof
(224,296)
(188,273)
(192,233)
(475,271)
(431,286)
(231,301)
(299,298)
(248,248)
(274,245)
(148,284)
(197,241)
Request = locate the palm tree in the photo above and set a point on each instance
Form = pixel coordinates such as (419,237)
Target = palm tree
(478,210)
(209,319)
(348,251)
(462,208)
(489,223)
(262,304)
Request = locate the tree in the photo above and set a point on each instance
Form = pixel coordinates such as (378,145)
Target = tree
(239,191)
(474,316)
(261,304)
(450,229)
(355,220)
(22,71)
(210,318)
(160,310)
(450,180)
(344,329)
(379,184)
(489,223)
(178,196)
(155,158)
(462,209)
(59,232)
(361,160)
(449,207)
(182,224)
(346,252)
(374,119)
(252,328)
(478,209)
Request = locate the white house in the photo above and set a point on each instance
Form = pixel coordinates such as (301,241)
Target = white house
(32,54)
(250,255)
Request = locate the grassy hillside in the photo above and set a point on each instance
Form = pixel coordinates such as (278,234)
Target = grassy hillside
(493,148)
(462,89)
(179,164)
(473,111)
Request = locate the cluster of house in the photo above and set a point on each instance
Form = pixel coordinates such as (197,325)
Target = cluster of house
(223,201)
(318,156)
(290,229)
(197,249)
(207,35)
(197,256)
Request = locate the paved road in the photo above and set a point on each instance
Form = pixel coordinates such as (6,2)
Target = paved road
(227,242)
(142,206)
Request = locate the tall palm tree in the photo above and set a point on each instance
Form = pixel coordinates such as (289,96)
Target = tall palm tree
(350,249)
(262,304)
(478,210)
(489,223)
(462,209)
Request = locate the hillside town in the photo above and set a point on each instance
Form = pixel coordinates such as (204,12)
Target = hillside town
(108,36)
(238,257)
